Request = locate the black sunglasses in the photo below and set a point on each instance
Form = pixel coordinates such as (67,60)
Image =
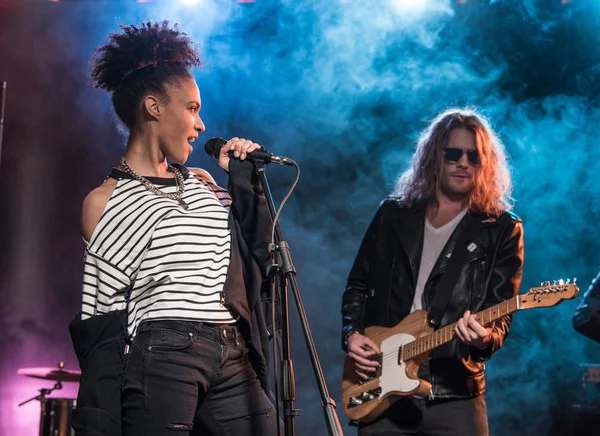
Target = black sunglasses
(453,155)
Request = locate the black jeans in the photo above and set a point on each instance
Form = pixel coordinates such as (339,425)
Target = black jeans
(431,418)
(189,378)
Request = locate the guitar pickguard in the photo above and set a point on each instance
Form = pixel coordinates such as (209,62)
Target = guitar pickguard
(393,373)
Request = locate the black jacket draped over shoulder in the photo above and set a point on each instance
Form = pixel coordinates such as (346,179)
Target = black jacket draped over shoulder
(99,342)
(381,287)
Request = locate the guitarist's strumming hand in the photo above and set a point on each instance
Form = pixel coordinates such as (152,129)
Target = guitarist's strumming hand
(471,332)
(361,349)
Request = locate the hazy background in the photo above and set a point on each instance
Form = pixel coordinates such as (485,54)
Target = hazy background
(344,88)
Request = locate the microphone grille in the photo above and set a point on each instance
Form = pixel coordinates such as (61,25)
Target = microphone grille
(213,146)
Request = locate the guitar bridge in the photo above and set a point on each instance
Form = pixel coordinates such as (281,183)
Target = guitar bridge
(364,397)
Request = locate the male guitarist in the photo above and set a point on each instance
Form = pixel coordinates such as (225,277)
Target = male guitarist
(459,173)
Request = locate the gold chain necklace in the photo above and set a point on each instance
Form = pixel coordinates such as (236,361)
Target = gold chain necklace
(177,196)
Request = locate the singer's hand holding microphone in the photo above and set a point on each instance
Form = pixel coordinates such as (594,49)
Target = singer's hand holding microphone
(241,148)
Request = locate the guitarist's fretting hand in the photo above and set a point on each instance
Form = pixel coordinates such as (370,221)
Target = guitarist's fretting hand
(361,349)
(471,332)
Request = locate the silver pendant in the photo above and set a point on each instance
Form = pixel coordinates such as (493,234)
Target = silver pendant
(183,204)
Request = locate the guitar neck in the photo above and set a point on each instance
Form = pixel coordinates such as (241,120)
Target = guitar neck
(448,333)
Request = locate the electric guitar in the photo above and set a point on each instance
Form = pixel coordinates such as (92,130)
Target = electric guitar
(405,347)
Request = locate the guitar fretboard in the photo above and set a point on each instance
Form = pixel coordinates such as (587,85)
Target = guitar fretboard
(446,334)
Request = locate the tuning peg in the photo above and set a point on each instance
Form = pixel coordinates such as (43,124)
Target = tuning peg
(554,283)
(574,280)
(568,281)
(561,282)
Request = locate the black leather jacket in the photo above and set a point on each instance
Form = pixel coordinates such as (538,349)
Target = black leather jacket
(381,287)
(587,316)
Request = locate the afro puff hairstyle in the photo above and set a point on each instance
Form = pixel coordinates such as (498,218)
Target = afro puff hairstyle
(140,60)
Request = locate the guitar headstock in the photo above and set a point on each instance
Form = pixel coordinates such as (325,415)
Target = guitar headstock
(549,294)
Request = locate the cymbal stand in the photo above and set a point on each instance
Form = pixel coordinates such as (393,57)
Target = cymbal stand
(43,392)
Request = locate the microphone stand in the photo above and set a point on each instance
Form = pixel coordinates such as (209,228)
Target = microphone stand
(286,273)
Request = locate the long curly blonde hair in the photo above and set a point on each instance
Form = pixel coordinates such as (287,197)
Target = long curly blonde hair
(492,184)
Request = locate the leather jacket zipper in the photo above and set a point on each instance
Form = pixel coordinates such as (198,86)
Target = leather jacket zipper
(431,395)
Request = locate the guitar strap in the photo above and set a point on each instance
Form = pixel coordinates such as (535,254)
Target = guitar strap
(453,269)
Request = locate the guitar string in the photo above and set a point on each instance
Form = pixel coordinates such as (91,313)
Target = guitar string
(414,346)
(392,356)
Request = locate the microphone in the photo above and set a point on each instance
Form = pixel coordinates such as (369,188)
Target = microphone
(213,146)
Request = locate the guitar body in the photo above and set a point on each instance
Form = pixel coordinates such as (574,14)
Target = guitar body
(405,347)
(395,379)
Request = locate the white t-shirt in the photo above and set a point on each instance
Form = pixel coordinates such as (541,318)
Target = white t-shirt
(434,241)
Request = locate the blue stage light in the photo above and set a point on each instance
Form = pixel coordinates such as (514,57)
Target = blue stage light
(411,5)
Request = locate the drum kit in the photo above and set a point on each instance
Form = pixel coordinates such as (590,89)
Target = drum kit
(55,413)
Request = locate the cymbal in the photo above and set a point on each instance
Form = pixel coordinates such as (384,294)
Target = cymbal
(64,375)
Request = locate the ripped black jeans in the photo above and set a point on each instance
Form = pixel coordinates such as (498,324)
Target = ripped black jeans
(190,378)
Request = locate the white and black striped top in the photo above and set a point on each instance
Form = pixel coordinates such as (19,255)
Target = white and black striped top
(170,262)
